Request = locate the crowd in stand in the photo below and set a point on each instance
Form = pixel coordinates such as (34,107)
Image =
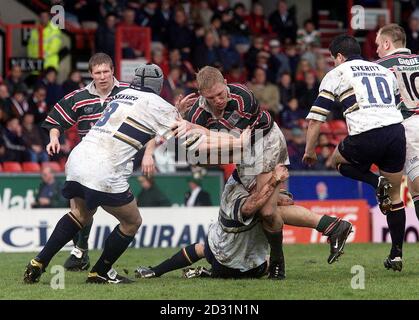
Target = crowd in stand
(277,59)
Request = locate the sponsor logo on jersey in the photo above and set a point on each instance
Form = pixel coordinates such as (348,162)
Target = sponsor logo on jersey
(88,110)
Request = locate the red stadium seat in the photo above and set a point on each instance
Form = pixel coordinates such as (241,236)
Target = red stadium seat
(338,127)
(12,166)
(31,167)
(55,166)
(325,128)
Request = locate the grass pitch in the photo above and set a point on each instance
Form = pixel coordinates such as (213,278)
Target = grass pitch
(308,277)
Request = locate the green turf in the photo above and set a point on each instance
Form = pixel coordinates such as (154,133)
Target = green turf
(308,277)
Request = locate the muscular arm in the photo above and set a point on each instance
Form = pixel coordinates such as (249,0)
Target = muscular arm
(313,132)
(258,199)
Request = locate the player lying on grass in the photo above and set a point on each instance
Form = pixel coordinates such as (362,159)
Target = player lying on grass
(236,246)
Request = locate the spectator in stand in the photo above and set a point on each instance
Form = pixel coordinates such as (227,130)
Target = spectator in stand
(151,195)
(293,58)
(107,7)
(266,93)
(228,54)
(279,58)
(321,67)
(4,93)
(207,54)
(266,62)
(307,91)
(158,58)
(15,80)
(166,10)
(180,36)
(237,74)
(73,82)
(132,44)
(105,35)
(49,191)
(150,16)
(2,144)
(324,157)
(308,36)
(369,48)
(38,105)
(197,197)
(188,71)
(31,135)
(15,146)
(86,11)
(283,23)
(202,13)
(287,89)
(412,35)
(296,148)
(239,29)
(172,85)
(257,22)
(54,90)
(291,116)
(303,68)
(251,55)
(51,45)
(17,105)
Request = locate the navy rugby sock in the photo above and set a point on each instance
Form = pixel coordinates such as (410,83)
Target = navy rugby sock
(327,224)
(115,245)
(83,237)
(353,172)
(275,242)
(64,231)
(183,258)
(396,220)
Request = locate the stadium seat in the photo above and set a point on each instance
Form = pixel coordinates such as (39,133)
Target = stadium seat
(338,127)
(31,167)
(55,166)
(12,166)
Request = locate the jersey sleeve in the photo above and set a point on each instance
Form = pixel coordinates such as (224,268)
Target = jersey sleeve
(326,97)
(61,116)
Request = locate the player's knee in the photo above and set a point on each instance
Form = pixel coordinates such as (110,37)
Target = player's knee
(83,217)
(200,250)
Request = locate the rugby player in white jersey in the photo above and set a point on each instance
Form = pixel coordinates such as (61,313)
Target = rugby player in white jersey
(369,94)
(391,48)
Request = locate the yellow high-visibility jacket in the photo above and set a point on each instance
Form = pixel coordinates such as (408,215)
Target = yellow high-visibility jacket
(51,45)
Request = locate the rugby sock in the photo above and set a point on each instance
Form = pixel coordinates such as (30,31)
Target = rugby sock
(275,242)
(115,245)
(64,231)
(327,223)
(416,202)
(353,172)
(83,237)
(183,258)
(396,220)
